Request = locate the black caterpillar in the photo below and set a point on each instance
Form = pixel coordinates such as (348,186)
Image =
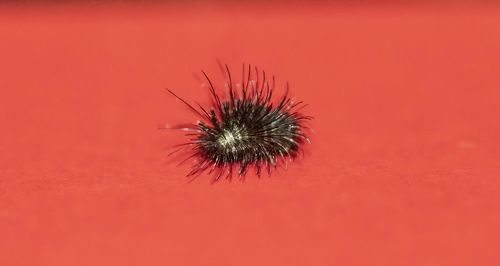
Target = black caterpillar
(244,129)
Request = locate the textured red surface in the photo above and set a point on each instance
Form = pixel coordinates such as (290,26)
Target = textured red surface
(404,168)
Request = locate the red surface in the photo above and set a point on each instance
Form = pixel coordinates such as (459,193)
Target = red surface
(404,168)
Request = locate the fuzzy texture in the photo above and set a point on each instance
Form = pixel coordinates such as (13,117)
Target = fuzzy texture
(246,128)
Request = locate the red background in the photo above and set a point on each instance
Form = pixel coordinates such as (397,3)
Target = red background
(403,170)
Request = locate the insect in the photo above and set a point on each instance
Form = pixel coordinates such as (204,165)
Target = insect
(243,128)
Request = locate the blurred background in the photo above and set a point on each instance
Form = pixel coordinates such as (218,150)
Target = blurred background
(403,169)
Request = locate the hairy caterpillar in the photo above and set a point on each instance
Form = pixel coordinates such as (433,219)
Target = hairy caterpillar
(244,128)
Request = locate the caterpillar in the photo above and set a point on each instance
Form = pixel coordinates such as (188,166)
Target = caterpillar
(244,128)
